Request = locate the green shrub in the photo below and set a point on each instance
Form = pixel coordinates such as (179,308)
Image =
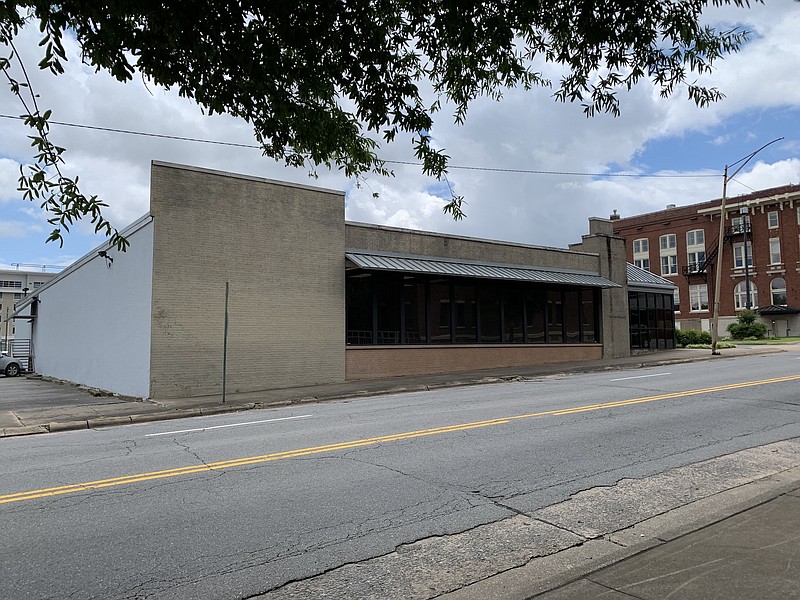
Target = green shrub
(688,337)
(746,327)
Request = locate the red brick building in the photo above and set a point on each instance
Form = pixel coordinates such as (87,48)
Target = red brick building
(761,251)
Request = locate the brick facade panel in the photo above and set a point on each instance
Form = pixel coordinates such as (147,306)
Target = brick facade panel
(280,248)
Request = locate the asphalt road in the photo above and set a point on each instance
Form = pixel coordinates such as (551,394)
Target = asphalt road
(236,505)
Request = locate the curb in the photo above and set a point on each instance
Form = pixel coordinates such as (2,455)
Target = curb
(546,574)
(181,413)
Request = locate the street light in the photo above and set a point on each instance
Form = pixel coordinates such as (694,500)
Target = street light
(721,243)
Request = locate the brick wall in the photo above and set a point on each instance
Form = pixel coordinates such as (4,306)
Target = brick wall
(705,216)
(377,361)
(281,249)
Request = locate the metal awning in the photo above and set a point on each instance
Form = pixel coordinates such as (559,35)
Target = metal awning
(640,280)
(773,310)
(406,263)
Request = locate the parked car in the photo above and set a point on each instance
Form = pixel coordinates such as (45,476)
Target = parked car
(10,366)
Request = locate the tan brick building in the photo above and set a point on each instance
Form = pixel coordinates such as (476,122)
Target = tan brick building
(262,284)
(761,251)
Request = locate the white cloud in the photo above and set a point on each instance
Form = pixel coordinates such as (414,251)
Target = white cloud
(17,229)
(9,174)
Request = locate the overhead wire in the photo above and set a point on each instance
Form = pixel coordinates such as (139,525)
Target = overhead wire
(392,162)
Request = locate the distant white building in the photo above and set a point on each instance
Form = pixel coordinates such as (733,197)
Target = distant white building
(15,285)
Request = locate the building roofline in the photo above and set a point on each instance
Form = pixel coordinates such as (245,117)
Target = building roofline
(754,198)
(170,165)
(9,270)
(91,255)
(465,238)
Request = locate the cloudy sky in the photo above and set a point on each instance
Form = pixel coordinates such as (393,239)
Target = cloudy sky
(670,150)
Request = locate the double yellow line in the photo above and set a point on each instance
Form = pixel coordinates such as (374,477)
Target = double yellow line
(252,460)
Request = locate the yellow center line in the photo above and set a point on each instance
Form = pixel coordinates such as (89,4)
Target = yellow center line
(252,460)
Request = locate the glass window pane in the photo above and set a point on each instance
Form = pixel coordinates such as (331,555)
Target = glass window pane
(534,315)
(572,314)
(414,310)
(555,317)
(358,308)
(387,293)
(440,312)
(512,315)
(589,333)
(490,315)
(466,323)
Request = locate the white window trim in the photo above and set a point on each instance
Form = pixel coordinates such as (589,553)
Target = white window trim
(740,295)
(641,255)
(777,219)
(670,252)
(781,290)
(740,246)
(775,242)
(696,291)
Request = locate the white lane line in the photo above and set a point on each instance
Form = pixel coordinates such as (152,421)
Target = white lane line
(640,376)
(231,425)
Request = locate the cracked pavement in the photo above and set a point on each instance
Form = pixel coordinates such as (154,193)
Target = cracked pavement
(421,517)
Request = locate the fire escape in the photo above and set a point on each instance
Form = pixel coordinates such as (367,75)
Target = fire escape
(741,231)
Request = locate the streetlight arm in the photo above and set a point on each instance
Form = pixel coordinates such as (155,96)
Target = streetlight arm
(748,158)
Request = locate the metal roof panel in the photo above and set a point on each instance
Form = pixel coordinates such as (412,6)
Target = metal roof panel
(446,266)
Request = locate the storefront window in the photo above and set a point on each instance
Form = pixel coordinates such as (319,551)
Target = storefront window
(555,317)
(396,308)
(490,315)
(465,314)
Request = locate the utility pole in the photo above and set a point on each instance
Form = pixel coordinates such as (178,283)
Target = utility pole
(718,270)
(721,243)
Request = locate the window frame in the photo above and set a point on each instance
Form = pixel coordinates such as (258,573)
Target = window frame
(773,244)
(780,290)
(695,250)
(739,246)
(668,251)
(641,257)
(698,292)
(740,295)
(770,215)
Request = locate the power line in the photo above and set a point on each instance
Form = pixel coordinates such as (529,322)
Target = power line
(392,162)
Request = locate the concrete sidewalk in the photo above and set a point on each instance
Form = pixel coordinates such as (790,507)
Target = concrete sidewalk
(752,554)
(32,406)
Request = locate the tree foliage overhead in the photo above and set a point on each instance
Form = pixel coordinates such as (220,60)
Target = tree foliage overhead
(322,82)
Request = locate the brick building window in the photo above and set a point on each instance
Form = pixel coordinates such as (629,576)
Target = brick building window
(774,251)
(738,255)
(676,299)
(698,297)
(740,295)
(777,288)
(696,249)
(772,219)
(668,248)
(641,253)
(738,224)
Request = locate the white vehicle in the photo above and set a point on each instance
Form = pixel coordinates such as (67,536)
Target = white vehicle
(10,366)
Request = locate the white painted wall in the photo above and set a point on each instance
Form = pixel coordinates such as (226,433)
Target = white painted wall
(93,326)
